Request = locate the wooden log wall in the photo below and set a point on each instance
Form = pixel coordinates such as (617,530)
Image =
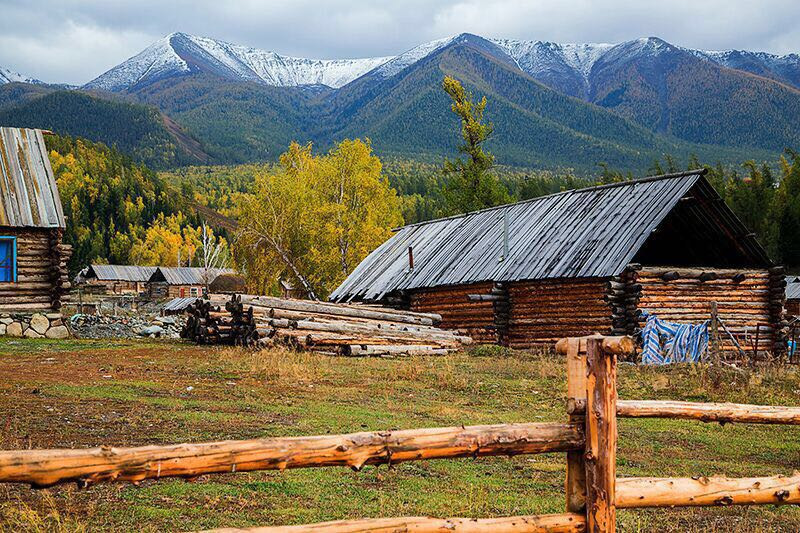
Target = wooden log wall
(42,277)
(473,318)
(545,311)
(745,299)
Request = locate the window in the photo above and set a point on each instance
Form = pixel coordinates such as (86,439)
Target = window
(193,291)
(8,259)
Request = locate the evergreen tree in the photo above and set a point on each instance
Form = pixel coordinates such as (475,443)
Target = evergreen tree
(470,186)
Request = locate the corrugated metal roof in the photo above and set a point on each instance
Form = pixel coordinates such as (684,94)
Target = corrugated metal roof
(28,192)
(179,304)
(793,291)
(120,272)
(591,232)
(190,275)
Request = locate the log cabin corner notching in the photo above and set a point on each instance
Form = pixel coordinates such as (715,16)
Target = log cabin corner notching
(581,262)
(33,259)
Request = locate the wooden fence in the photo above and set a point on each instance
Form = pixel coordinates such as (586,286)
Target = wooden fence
(589,438)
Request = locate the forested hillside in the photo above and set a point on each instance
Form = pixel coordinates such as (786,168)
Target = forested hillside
(134,129)
(118,211)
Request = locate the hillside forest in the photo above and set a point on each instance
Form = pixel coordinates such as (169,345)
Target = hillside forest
(311,217)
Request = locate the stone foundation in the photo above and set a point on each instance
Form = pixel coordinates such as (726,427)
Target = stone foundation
(34,325)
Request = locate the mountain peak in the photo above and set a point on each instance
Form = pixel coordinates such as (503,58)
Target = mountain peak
(181,53)
(9,76)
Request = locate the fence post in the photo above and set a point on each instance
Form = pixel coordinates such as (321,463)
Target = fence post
(715,355)
(601,437)
(575,484)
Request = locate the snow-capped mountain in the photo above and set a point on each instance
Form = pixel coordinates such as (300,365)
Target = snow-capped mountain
(567,67)
(9,76)
(180,53)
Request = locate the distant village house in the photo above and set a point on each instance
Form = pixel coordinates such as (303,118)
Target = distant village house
(182,282)
(115,279)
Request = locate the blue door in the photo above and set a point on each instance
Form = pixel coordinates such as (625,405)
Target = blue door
(8,263)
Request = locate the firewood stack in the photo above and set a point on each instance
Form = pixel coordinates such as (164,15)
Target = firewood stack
(208,324)
(340,329)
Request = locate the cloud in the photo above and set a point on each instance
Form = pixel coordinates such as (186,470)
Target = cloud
(75,40)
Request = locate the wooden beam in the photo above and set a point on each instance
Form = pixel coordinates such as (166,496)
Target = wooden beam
(707,491)
(620,345)
(601,437)
(43,468)
(575,482)
(709,412)
(555,523)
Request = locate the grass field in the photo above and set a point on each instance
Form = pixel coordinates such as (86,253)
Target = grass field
(86,393)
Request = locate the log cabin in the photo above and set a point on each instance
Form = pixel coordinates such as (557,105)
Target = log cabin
(583,261)
(33,258)
(793,295)
(115,279)
(183,282)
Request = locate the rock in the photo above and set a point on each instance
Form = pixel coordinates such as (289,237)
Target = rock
(53,316)
(32,334)
(166,320)
(14,329)
(2,329)
(58,332)
(40,323)
(6,320)
(152,331)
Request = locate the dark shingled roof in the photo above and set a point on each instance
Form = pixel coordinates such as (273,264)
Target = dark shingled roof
(28,192)
(592,232)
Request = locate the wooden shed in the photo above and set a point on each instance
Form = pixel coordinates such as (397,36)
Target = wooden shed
(33,258)
(793,295)
(183,282)
(116,279)
(582,262)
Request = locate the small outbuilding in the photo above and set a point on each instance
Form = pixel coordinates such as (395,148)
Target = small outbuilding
(116,279)
(182,282)
(581,262)
(33,257)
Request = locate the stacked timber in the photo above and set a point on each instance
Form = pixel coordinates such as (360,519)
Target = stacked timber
(622,295)
(748,301)
(341,329)
(544,311)
(475,317)
(777,309)
(208,324)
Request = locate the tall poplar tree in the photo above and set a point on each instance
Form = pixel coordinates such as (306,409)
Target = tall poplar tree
(470,185)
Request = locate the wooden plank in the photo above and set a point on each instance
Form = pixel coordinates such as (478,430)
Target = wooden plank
(556,523)
(575,482)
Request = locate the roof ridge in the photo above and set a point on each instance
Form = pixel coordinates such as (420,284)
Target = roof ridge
(646,179)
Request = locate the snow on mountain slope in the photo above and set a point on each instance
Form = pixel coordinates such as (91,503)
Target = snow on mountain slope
(9,76)
(784,68)
(180,53)
(565,67)
(537,57)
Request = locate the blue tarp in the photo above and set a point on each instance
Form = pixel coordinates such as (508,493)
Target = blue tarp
(667,342)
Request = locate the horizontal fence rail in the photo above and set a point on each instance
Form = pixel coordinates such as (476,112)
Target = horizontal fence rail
(707,491)
(724,413)
(42,468)
(555,523)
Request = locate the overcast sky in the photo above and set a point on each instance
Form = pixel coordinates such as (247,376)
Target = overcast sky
(73,41)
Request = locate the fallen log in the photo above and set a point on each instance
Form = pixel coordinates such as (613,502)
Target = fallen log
(554,523)
(391,349)
(707,491)
(42,468)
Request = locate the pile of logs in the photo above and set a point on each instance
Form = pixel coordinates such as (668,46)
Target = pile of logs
(336,329)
